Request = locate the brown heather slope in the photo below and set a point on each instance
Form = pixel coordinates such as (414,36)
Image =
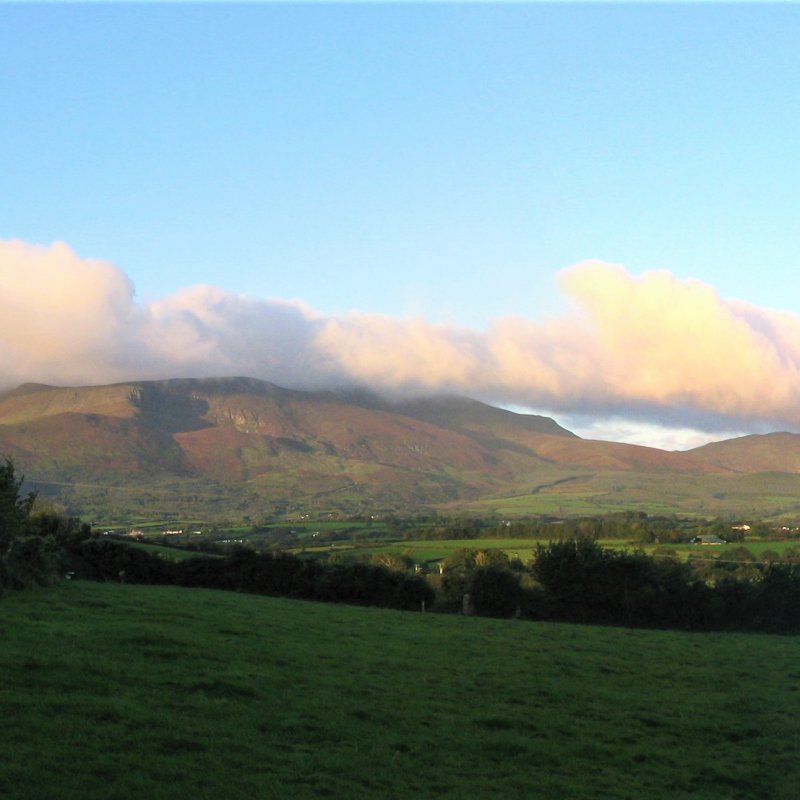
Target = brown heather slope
(235,428)
(267,428)
(274,443)
(470,416)
(34,401)
(544,437)
(232,430)
(613,456)
(770,452)
(79,447)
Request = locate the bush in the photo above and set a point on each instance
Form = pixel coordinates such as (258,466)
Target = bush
(106,560)
(778,599)
(14,508)
(583,582)
(495,592)
(30,561)
(29,555)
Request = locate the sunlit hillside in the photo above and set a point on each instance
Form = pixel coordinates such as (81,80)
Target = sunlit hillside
(249,446)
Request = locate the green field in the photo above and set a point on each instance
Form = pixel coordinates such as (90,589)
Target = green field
(429,550)
(765,495)
(755,546)
(565,504)
(422,550)
(114,691)
(170,553)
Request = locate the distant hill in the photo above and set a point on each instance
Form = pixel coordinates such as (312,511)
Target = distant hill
(278,442)
(770,452)
(471,416)
(245,447)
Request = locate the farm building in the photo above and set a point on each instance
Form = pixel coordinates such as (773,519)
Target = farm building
(707,540)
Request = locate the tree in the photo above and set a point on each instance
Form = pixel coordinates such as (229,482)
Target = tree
(25,559)
(397,562)
(457,569)
(495,592)
(493,558)
(567,572)
(584,582)
(15,508)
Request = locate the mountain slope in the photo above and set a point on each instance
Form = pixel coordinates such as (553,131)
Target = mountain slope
(248,443)
(771,452)
(237,430)
(471,416)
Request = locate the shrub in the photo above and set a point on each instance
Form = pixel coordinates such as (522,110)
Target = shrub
(30,561)
(495,592)
(29,555)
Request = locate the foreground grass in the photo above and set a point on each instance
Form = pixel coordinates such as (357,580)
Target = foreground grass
(110,691)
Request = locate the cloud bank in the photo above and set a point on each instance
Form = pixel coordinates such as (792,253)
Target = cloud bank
(652,347)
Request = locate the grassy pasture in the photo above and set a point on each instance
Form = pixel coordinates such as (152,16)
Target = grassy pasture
(308,529)
(435,549)
(561,504)
(422,550)
(311,526)
(112,692)
(576,504)
(755,546)
(765,494)
(170,553)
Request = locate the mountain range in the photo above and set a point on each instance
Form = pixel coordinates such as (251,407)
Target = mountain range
(239,447)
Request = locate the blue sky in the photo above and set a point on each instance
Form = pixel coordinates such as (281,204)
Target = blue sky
(436,162)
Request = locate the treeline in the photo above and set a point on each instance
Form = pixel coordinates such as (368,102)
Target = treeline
(635,526)
(37,549)
(631,526)
(244,570)
(574,580)
(31,545)
(580,581)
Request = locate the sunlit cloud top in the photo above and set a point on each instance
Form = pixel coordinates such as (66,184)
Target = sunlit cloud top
(651,347)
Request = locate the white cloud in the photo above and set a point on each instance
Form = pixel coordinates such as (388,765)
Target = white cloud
(616,429)
(650,348)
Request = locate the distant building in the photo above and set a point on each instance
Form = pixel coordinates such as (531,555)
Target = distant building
(715,540)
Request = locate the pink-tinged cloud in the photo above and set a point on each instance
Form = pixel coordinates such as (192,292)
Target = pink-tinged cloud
(667,343)
(653,346)
(62,318)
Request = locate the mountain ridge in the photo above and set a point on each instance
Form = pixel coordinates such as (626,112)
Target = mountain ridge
(267,444)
